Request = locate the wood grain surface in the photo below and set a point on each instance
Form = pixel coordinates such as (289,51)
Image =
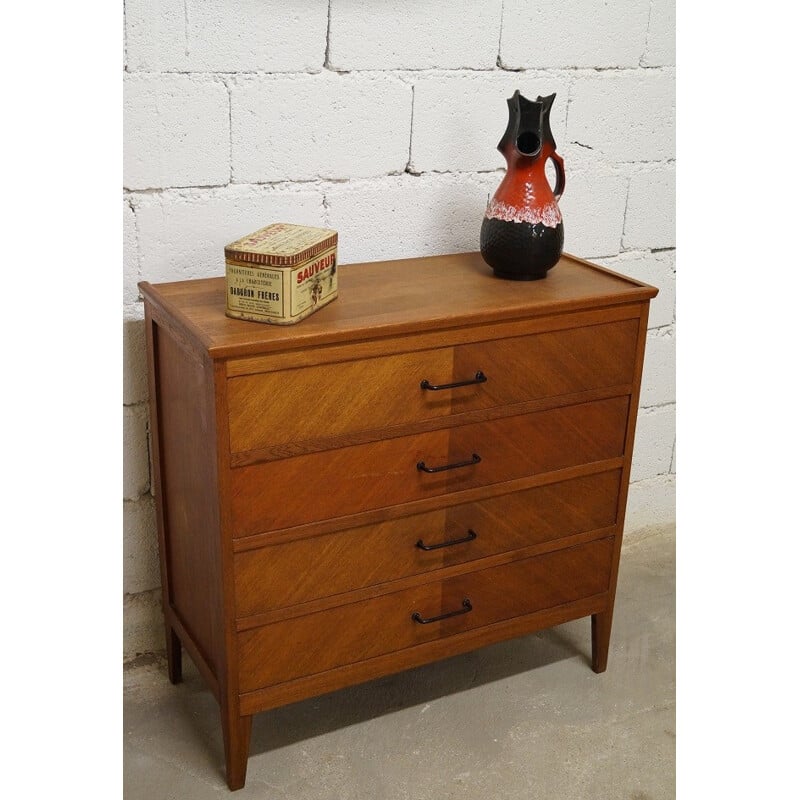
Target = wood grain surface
(296,572)
(280,494)
(361,631)
(277,408)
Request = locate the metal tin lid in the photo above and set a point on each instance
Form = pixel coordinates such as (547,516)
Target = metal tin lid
(281,244)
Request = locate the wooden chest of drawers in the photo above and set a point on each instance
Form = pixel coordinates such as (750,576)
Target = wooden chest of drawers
(436,461)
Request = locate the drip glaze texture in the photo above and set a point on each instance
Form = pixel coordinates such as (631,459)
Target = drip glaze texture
(522,234)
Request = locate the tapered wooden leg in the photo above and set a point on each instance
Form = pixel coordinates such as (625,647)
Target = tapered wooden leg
(601,636)
(236,735)
(173,656)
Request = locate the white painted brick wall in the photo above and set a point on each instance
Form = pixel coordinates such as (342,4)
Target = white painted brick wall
(134,363)
(657,269)
(136,469)
(406,216)
(183,234)
(660,49)
(625,115)
(140,568)
(381,120)
(650,503)
(130,256)
(397,34)
(658,376)
(142,623)
(650,216)
(593,207)
(655,435)
(319,126)
(460,117)
(226,36)
(580,33)
(175,131)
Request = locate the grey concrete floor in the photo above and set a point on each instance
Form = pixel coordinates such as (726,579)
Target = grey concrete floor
(522,719)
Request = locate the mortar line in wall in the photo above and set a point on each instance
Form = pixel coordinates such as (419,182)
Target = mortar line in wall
(124,35)
(130,193)
(625,215)
(288,183)
(656,406)
(186,28)
(136,232)
(669,475)
(394,70)
(411,130)
(646,34)
(499,61)
(326,216)
(327,63)
(230,131)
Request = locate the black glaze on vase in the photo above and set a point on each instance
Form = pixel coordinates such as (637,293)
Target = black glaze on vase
(522,233)
(520,251)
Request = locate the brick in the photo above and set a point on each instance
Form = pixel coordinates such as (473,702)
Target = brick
(408,216)
(658,377)
(134,363)
(650,502)
(581,33)
(448,34)
(142,624)
(660,49)
(176,131)
(650,215)
(220,36)
(657,269)
(140,567)
(183,234)
(130,256)
(593,208)
(459,119)
(135,454)
(625,116)
(319,126)
(655,436)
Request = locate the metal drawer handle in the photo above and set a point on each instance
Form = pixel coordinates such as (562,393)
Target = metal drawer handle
(476,459)
(466,607)
(479,378)
(468,538)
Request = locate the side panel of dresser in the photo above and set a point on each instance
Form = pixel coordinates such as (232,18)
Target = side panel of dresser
(189,433)
(185,484)
(601,622)
(182,426)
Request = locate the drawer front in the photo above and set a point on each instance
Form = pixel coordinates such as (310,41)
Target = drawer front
(294,491)
(307,569)
(359,631)
(270,411)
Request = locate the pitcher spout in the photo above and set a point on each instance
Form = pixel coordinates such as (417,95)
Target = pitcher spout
(528,132)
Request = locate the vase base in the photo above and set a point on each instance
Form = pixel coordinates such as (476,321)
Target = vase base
(520,250)
(518,276)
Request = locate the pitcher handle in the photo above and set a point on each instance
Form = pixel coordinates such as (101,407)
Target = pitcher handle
(558,162)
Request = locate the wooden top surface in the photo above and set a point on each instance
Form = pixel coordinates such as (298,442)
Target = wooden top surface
(384,298)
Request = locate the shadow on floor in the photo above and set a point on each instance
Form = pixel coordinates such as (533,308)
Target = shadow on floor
(310,718)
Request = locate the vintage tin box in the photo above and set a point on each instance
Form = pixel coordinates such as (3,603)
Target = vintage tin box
(280,274)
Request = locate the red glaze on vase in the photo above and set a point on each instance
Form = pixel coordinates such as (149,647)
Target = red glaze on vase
(522,235)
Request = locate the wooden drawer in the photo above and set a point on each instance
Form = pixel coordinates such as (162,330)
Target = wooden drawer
(359,631)
(299,571)
(293,491)
(270,411)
